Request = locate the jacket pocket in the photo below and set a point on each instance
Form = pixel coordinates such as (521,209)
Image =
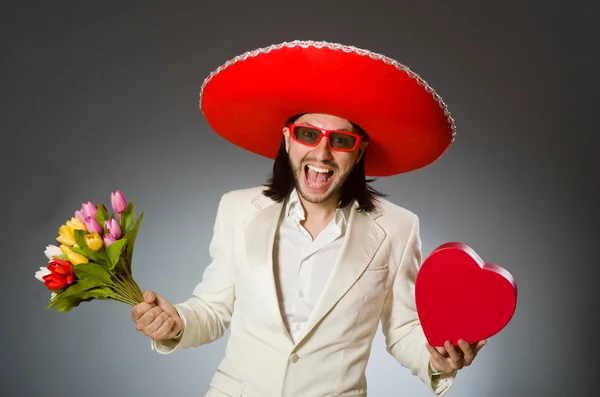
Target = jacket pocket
(373,283)
(378,272)
(226,384)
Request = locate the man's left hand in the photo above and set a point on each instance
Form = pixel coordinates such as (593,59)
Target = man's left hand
(452,358)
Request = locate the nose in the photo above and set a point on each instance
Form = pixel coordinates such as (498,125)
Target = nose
(322,151)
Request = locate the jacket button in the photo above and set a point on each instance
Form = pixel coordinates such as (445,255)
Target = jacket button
(294,358)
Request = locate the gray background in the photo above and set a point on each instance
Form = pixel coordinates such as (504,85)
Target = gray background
(98,97)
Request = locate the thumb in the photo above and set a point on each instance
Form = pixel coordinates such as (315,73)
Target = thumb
(164,304)
(149,297)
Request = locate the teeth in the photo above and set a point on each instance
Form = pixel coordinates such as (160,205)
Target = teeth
(321,170)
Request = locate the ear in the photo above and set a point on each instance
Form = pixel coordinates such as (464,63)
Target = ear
(361,150)
(286,134)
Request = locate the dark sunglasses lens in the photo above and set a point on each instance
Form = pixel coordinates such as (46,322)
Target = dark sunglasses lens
(307,135)
(342,141)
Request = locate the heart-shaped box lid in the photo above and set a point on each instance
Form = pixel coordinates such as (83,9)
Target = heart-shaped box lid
(459,296)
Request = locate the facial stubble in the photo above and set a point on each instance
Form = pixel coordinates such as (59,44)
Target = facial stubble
(341,179)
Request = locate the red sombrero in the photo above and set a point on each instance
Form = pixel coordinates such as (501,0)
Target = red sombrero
(248,99)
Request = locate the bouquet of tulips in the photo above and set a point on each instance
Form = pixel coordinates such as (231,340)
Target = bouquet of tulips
(93,258)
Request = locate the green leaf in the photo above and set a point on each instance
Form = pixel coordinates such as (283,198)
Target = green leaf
(93,256)
(114,252)
(126,217)
(97,293)
(101,214)
(66,303)
(80,286)
(83,249)
(92,271)
(63,304)
(131,237)
(74,294)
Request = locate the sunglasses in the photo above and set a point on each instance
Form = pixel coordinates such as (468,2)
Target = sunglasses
(342,141)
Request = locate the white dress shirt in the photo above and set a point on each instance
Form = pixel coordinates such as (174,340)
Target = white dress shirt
(302,265)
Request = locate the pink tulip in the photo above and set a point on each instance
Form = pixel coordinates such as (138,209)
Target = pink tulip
(88,209)
(113,228)
(108,240)
(92,225)
(79,215)
(118,201)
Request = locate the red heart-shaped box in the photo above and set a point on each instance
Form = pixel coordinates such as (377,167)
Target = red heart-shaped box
(459,296)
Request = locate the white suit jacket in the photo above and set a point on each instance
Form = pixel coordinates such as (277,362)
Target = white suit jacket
(373,280)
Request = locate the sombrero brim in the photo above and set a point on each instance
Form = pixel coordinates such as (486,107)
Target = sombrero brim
(248,99)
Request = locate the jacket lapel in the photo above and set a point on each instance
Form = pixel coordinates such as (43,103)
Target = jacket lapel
(363,238)
(259,230)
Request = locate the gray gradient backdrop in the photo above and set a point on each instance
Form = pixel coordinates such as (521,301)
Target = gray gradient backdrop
(98,97)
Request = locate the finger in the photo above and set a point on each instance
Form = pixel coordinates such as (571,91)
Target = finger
(435,351)
(148,318)
(139,310)
(456,360)
(164,331)
(468,352)
(156,324)
(480,345)
(442,350)
(438,361)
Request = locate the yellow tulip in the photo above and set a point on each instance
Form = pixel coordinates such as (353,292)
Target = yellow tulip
(66,236)
(93,240)
(74,258)
(76,224)
(67,232)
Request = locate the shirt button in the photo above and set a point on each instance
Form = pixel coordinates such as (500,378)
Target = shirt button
(298,327)
(301,294)
(294,358)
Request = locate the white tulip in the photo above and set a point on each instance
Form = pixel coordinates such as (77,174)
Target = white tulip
(52,251)
(41,273)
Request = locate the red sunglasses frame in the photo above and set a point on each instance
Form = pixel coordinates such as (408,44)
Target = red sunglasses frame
(325,133)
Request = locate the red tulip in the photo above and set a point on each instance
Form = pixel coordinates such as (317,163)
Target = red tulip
(61,274)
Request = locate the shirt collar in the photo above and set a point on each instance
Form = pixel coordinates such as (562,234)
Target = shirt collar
(294,209)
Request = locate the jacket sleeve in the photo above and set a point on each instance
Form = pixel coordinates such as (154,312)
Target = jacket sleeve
(207,314)
(403,333)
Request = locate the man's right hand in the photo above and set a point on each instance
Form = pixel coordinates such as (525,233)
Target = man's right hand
(156,317)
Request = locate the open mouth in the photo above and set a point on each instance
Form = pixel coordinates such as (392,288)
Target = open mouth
(317,177)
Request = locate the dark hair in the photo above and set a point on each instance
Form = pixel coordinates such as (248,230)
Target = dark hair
(281,182)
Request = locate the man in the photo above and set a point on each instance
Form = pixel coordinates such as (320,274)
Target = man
(305,268)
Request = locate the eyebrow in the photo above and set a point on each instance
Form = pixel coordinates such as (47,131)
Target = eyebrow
(337,129)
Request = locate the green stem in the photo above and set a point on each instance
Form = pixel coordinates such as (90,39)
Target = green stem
(135,288)
(121,299)
(123,290)
(122,295)
(127,286)
(127,267)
